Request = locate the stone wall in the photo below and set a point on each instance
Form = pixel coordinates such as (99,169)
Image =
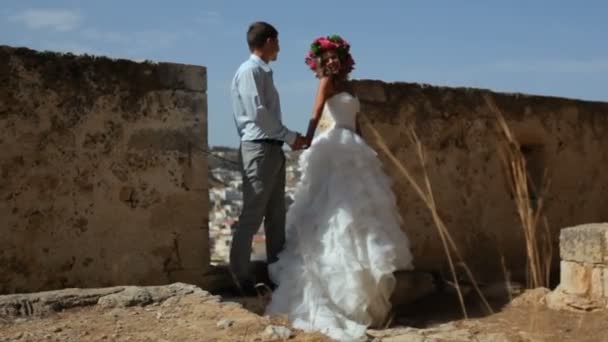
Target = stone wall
(102,180)
(583,285)
(584,260)
(567,137)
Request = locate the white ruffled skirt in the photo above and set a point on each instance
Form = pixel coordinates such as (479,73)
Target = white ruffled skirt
(344,241)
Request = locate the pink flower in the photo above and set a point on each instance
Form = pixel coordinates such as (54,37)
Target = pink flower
(323,44)
(326,44)
(311,62)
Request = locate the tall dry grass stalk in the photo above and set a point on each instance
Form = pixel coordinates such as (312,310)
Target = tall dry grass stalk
(425,193)
(539,251)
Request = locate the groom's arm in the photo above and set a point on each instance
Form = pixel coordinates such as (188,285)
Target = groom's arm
(251,87)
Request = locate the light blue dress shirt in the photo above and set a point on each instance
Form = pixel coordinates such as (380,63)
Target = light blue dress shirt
(255,103)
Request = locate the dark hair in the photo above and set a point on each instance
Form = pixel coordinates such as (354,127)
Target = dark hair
(258,33)
(316,61)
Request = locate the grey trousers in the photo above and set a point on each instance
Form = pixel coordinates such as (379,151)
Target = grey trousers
(263,172)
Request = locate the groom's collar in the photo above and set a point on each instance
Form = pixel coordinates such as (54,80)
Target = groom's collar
(260,62)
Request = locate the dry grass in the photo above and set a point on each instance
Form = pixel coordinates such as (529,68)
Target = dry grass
(534,223)
(425,192)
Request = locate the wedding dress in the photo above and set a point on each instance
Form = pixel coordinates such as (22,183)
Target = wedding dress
(335,274)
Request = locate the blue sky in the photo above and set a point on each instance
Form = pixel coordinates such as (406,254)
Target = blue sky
(541,47)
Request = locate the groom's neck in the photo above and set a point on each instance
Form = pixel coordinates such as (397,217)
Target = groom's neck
(262,55)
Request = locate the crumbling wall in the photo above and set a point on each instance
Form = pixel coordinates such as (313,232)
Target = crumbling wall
(568,138)
(102,181)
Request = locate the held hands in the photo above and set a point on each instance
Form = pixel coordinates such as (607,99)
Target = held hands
(306,141)
(301,142)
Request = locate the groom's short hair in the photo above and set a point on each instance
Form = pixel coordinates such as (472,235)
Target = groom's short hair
(258,33)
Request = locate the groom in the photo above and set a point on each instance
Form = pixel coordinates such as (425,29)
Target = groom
(257,115)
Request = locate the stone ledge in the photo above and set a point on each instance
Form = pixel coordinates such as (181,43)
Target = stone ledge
(372,91)
(41,303)
(183,76)
(585,243)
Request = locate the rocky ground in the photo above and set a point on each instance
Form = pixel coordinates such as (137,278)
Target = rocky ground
(178,312)
(181,312)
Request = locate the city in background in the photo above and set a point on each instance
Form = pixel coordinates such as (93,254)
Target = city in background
(226,201)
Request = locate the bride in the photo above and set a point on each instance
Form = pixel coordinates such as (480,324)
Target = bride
(344,241)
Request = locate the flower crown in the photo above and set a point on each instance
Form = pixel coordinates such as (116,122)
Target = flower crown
(333,42)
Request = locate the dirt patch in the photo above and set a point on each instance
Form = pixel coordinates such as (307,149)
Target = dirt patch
(196,317)
(187,318)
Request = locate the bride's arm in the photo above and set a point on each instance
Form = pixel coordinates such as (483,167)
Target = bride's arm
(323,92)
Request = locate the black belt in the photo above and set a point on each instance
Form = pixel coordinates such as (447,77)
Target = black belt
(269,141)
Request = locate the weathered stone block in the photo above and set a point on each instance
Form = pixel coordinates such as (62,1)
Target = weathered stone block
(559,299)
(129,296)
(585,243)
(598,275)
(370,91)
(605,282)
(584,279)
(575,278)
(165,139)
(102,177)
(183,76)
